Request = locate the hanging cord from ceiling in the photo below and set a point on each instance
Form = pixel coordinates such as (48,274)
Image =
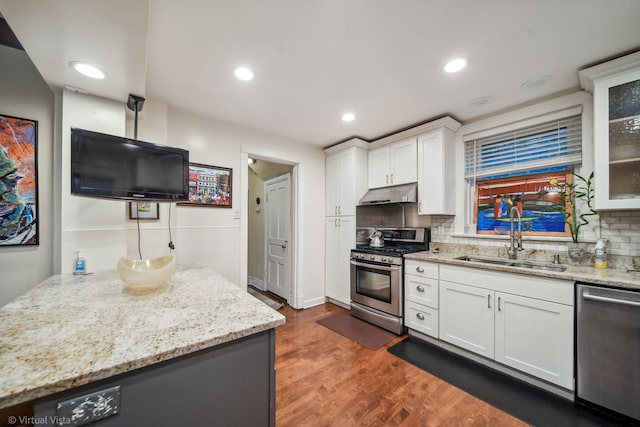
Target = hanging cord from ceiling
(138,223)
(171,245)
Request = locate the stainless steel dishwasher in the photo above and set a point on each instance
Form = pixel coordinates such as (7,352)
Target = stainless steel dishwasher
(608,348)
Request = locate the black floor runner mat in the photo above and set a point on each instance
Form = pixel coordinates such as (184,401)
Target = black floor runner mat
(525,402)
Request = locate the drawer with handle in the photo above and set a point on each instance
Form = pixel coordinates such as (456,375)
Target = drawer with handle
(422,290)
(421,268)
(421,318)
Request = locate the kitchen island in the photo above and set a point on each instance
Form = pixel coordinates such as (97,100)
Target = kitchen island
(198,352)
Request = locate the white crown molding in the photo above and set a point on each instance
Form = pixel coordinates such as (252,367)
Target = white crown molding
(606,69)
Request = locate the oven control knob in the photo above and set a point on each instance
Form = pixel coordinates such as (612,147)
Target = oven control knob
(372,257)
(383,259)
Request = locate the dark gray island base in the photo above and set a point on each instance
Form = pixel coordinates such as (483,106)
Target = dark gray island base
(232,384)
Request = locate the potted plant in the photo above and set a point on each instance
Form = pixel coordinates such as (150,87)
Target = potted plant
(572,192)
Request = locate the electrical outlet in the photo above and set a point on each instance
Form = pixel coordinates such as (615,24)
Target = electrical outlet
(236,214)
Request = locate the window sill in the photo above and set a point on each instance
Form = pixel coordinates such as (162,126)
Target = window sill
(524,238)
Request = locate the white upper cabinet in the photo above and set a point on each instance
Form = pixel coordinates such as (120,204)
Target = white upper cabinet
(616,132)
(346,180)
(436,173)
(393,164)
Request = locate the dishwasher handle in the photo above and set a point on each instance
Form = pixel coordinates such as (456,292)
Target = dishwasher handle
(590,297)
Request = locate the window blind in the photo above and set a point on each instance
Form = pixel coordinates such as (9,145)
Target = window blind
(549,144)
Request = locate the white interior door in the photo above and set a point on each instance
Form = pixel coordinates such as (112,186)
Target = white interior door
(278,218)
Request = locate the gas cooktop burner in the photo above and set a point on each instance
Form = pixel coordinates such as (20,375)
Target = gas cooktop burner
(397,242)
(391,250)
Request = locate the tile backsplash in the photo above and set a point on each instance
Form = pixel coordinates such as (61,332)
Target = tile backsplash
(621,227)
(393,215)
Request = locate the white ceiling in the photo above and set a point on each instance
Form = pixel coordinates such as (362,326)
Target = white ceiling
(314,60)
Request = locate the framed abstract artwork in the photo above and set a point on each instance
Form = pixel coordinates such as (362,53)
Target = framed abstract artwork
(539,198)
(18,181)
(209,186)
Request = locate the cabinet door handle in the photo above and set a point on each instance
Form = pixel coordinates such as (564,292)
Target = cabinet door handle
(387,178)
(392,178)
(420,316)
(498,303)
(488,300)
(420,269)
(335,210)
(420,288)
(339,210)
(335,222)
(339,222)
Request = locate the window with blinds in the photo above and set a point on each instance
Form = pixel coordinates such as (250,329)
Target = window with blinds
(545,147)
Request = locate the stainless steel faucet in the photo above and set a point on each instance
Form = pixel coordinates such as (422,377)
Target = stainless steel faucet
(512,250)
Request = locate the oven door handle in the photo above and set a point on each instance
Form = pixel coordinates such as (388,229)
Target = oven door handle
(378,266)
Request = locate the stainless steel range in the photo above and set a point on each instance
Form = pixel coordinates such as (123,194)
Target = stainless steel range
(377,276)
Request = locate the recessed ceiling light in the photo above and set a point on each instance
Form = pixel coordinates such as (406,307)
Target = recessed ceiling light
(538,81)
(455,65)
(88,70)
(348,117)
(483,100)
(243,73)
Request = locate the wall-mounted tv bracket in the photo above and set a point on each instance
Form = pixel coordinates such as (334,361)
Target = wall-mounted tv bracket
(135,103)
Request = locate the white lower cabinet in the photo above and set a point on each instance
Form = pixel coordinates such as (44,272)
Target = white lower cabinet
(535,337)
(421,297)
(523,322)
(467,317)
(340,238)
(421,318)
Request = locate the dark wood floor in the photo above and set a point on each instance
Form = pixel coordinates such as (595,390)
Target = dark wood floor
(324,379)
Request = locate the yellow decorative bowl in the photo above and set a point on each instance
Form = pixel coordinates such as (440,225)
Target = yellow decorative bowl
(147,274)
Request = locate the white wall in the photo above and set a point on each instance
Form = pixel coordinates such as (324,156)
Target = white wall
(212,235)
(94,226)
(25,94)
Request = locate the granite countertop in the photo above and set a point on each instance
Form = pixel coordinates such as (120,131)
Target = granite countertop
(580,273)
(73,330)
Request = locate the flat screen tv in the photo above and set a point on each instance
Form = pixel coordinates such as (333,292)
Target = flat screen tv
(121,168)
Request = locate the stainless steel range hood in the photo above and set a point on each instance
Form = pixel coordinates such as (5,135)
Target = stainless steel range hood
(405,193)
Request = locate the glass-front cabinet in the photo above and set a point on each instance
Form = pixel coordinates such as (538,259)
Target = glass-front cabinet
(616,95)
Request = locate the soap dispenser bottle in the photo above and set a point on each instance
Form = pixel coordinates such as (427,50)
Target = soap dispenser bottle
(600,255)
(79,265)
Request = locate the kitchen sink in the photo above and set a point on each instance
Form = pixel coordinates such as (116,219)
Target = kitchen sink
(485,260)
(538,267)
(509,263)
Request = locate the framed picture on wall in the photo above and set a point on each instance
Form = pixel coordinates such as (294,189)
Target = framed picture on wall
(144,210)
(209,186)
(18,181)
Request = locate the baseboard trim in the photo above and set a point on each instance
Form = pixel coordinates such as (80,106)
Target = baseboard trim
(338,303)
(313,302)
(256,283)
